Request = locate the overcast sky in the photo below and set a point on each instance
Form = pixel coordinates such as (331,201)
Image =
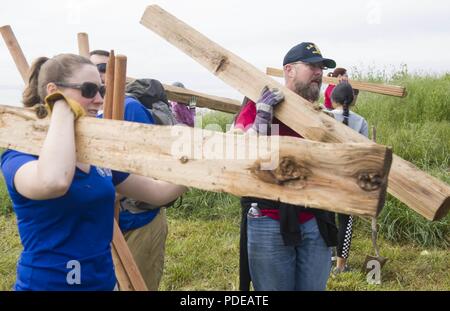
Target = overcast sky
(364,34)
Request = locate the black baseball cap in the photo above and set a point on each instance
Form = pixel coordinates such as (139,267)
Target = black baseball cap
(307,52)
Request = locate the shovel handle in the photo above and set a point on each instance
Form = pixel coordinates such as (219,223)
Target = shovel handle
(374,237)
(374,219)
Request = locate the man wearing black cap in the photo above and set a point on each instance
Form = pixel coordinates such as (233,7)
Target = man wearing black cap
(286,247)
(303,69)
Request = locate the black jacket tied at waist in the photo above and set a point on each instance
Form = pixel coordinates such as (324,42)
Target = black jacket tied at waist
(289,229)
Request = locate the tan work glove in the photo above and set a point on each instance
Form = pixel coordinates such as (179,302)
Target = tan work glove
(76,108)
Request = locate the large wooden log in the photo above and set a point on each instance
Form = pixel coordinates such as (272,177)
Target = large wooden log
(392,90)
(425,194)
(346,178)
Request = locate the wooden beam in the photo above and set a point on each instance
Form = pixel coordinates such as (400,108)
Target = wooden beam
(15,51)
(391,90)
(83,44)
(303,172)
(425,194)
(179,94)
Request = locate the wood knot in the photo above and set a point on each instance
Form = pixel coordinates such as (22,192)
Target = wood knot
(41,111)
(184,159)
(288,170)
(369,181)
(222,63)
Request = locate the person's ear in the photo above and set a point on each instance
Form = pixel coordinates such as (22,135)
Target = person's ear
(51,88)
(289,70)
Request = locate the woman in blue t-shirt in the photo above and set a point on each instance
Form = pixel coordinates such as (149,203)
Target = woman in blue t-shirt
(65,208)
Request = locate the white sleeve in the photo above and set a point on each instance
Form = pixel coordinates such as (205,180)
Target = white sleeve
(364,128)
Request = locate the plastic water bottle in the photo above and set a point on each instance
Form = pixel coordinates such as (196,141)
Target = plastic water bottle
(254,211)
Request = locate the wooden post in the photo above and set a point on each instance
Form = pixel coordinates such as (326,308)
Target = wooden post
(120,73)
(292,170)
(391,90)
(427,195)
(83,44)
(15,51)
(109,83)
(120,69)
(127,271)
(120,251)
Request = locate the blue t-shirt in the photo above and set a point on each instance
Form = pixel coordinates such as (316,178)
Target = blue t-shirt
(134,111)
(66,241)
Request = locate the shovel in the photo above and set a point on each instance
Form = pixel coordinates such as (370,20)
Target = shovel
(373,264)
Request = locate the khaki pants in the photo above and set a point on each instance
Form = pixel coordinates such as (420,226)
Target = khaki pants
(147,244)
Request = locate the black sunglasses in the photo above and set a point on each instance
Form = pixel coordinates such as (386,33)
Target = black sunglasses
(101,67)
(88,89)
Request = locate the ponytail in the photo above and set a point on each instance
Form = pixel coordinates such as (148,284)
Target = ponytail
(343,95)
(346,113)
(30,95)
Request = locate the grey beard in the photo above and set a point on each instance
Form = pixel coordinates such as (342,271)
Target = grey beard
(308,92)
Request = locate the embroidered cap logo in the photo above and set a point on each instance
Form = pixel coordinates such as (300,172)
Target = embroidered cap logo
(315,49)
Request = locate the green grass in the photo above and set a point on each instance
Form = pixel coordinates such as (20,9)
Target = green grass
(204,205)
(5,201)
(202,248)
(418,129)
(203,254)
(10,249)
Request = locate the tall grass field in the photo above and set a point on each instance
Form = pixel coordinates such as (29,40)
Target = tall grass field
(202,250)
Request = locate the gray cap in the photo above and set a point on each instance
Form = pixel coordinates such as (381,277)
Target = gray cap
(178,84)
